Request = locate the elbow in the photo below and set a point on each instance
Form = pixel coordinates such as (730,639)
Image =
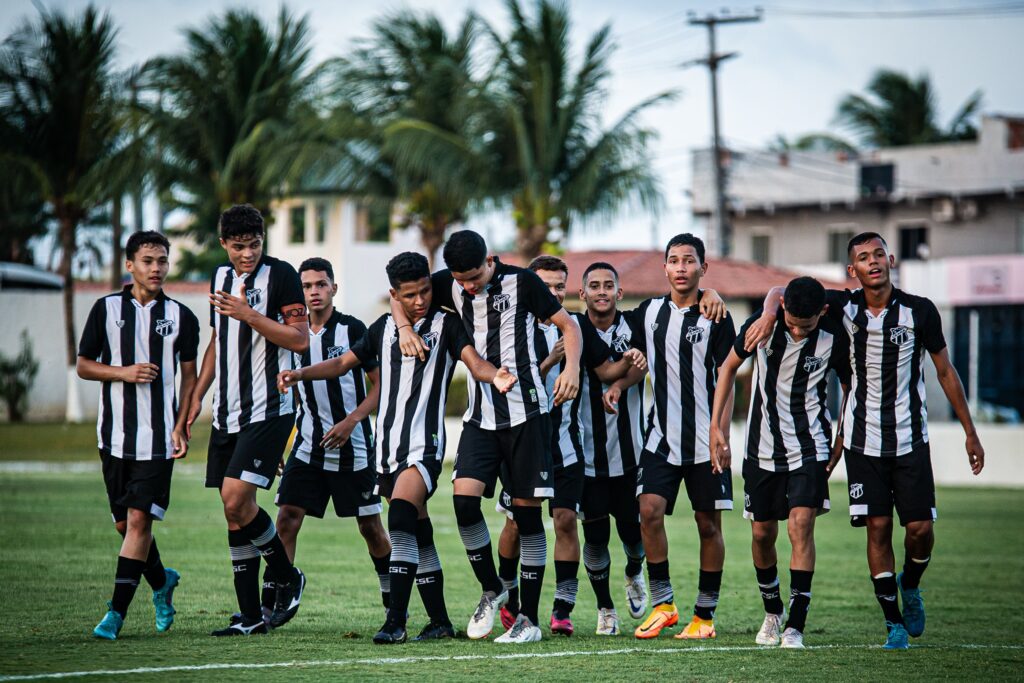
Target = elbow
(80,369)
(300,345)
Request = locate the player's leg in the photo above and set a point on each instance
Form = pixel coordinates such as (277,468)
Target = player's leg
(408,496)
(354,496)
(378,545)
(625,509)
(289,523)
(657,488)
(565,514)
(429,574)
(130,563)
(914,496)
(800,526)
(594,513)
(508,560)
(764,503)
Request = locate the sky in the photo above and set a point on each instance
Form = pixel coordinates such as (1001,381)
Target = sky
(790,73)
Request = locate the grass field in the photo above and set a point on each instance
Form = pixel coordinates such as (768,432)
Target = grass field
(57,556)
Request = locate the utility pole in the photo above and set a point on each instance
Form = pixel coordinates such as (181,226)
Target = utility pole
(721,229)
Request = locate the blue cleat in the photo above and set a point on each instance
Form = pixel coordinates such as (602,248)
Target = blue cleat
(897,639)
(163,600)
(110,626)
(913,608)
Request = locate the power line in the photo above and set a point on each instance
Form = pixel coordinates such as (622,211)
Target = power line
(977,11)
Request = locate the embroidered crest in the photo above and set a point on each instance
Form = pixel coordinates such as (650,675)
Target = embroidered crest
(746,500)
(812,363)
(769,351)
(430,339)
(544,476)
(366,495)
(164,327)
(335,352)
(501,302)
(119,323)
(654,327)
(901,335)
(253,297)
(856,491)
(620,343)
(257,463)
(694,334)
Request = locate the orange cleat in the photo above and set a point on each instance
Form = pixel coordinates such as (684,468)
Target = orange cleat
(698,629)
(662,616)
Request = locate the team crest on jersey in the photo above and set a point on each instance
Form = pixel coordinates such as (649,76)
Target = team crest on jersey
(901,335)
(812,363)
(620,343)
(694,334)
(335,351)
(769,351)
(501,302)
(164,327)
(254,297)
(430,339)
(119,323)
(856,491)
(654,327)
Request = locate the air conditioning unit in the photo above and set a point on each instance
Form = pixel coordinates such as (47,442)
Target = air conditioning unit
(944,210)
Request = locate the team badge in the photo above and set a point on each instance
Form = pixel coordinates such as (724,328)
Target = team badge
(257,462)
(533,395)
(501,302)
(769,351)
(694,334)
(544,476)
(856,491)
(366,495)
(854,329)
(164,327)
(654,327)
(746,500)
(335,351)
(430,339)
(620,343)
(119,323)
(253,297)
(901,335)
(812,363)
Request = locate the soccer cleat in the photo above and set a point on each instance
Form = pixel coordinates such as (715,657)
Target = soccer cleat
(792,639)
(897,639)
(698,629)
(662,616)
(507,616)
(163,600)
(109,626)
(771,629)
(561,627)
(636,595)
(523,631)
(482,622)
(289,595)
(913,608)
(390,634)
(435,631)
(241,627)
(607,622)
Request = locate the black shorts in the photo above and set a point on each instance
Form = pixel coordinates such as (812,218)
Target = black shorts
(430,470)
(615,496)
(876,484)
(521,455)
(251,455)
(310,487)
(769,496)
(568,491)
(138,484)
(707,491)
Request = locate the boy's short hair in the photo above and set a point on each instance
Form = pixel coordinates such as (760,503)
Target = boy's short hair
(464,251)
(804,297)
(407,267)
(318,264)
(138,239)
(548,262)
(684,239)
(241,220)
(600,265)
(863,238)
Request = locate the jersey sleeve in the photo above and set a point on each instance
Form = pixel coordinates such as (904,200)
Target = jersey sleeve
(367,347)
(931,327)
(839,360)
(538,298)
(187,343)
(356,333)
(837,300)
(595,350)
(441,287)
(455,336)
(213,311)
(287,299)
(737,344)
(722,337)
(635,320)
(91,344)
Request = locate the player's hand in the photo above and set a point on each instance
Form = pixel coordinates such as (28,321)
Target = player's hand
(180,441)
(236,307)
(759,332)
(636,358)
(337,436)
(504,380)
(288,378)
(193,412)
(712,306)
(837,455)
(567,385)
(411,343)
(611,400)
(975,453)
(721,455)
(140,373)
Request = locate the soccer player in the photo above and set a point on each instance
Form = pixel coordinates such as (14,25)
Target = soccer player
(885,423)
(567,436)
(684,351)
(258,316)
(788,440)
(332,451)
(499,305)
(134,341)
(410,432)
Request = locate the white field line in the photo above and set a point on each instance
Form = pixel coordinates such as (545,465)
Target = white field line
(334,663)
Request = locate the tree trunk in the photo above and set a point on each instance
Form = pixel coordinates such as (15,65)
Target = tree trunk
(68,224)
(432,237)
(529,241)
(118,252)
(138,224)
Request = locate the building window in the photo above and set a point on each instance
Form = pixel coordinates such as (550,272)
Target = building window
(760,248)
(297,224)
(321,223)
(373,222)
(837,241)
(913,243)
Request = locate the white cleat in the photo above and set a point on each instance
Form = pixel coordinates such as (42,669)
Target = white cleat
(482,622)
(523,631)
(792,639)
(770,630)
(636,595)
(607,622)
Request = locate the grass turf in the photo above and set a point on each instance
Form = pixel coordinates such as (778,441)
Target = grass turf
(59,548)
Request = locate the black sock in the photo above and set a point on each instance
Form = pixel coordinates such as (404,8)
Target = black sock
(533,546)
(477,541)
(429,576)
(632,544)
(126,580)
(405,557)
(597,561)
(885,593)
(154,572)
(799,598)
(269,593)
(262,534)
(566,587)
(508,572)
(245,561)
(913,569)
(661,585)
(768,582)
(382,565)
(708,586)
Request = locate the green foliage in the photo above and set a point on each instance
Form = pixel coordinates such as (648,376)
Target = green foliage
(197,265)
(458,396)
(17,375)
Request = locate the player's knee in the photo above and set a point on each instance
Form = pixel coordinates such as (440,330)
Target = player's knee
(237,510)
(467,509)
(651,514)
(800,531)
(597,532)
(564,522)
(138,522)
(371,529)
(707,526)
(763,534)
(919,532)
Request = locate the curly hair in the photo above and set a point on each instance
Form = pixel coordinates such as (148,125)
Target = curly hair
(241,220)
(407,267)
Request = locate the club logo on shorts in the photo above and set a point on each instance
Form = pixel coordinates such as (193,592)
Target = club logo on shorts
(366,495)
(164,327)
(430,339)
(254,297)
(544,476)
(506,500)
(812,363)
(257,462)
(335,352)
(620,343)
(501,302)
(694,334)
(901,335)
(856,491)
(746,500)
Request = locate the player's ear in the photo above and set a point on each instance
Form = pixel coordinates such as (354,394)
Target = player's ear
(618,294)
(334,289)
(850,271)
(394,294)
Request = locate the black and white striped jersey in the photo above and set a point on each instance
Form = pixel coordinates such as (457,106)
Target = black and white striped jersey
(502,326)
(684,350)
(567,429)
(612,443)
(245,387)
(136,420)
(410,417)
(886,414)
(788,423)
(324,403)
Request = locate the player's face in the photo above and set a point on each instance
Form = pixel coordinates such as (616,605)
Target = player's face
(318,289)
(555,280)
(243,252)
(684,269)
(870,263)
(474,281)
(414,297)
(601,291)
(801,327)
(149,267)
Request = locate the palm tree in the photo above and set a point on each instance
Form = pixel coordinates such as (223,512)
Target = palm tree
(61,96)
(900,110)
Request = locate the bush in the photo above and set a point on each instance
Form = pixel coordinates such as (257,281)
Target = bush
(458,396)
(16,378)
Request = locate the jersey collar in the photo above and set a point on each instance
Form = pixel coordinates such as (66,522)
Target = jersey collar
(126,293)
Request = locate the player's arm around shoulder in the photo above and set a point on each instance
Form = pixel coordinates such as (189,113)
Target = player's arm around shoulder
(567,384)
(721,414)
